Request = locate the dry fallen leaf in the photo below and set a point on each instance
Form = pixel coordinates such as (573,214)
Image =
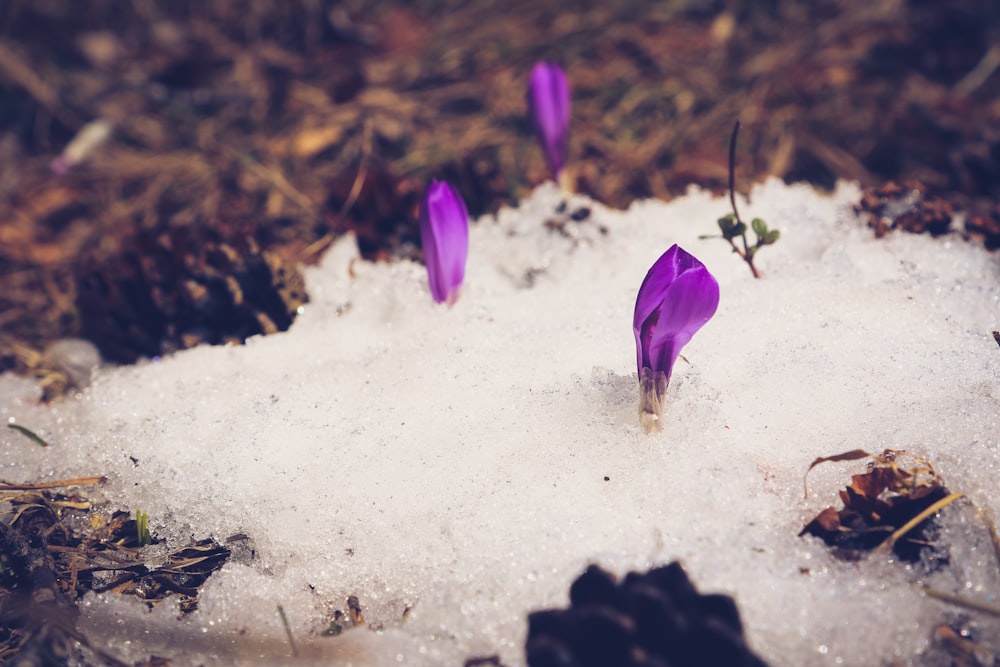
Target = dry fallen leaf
(884,505)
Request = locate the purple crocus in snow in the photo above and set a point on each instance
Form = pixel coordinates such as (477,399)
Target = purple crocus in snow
(548,104)
(444,231)
(677,298)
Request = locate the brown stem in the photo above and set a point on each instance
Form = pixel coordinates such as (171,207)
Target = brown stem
(745,253)
(732,169)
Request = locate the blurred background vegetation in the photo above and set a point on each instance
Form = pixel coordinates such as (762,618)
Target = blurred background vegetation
(247,134)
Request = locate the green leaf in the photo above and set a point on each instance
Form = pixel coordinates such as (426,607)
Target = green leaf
(726,224)
(333,630)
(772,236)
(759,227)
(142,528)
(740,229)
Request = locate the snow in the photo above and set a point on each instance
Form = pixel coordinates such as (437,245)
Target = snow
(458,468)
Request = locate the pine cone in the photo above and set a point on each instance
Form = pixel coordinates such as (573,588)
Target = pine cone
(986,226)
(653,619)
(173,290)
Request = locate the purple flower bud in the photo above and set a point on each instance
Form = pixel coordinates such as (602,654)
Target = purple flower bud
(548,104)
(444,231)
(675,300)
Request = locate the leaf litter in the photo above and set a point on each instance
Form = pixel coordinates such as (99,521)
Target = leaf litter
(888,504)
(55,546)
(893,511)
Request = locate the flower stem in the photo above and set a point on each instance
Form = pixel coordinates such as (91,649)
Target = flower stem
(746,254)
(652,390)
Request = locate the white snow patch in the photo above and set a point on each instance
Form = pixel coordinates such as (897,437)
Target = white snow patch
(467,463)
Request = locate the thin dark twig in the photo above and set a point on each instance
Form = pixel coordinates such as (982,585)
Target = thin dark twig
(359,179)
(745,254)
(288,631)
(732,169)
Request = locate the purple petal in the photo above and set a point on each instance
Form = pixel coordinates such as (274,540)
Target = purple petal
(444,231)
(676,299)
(548,104)
(60,165)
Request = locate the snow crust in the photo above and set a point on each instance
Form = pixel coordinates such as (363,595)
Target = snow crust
(458,468)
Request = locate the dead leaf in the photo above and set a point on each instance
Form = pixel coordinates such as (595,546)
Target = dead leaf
(889,505)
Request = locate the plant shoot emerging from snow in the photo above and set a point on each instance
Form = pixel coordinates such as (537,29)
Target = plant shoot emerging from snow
(548,105)
(142,535)
(676,299)
(732,227)
(444,232)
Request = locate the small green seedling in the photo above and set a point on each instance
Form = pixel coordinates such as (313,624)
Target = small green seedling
(333,630)
(733,228)
(142,528)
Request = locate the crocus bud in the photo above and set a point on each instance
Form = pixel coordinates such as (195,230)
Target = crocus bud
(675,300)
(548,104)
(444,231)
